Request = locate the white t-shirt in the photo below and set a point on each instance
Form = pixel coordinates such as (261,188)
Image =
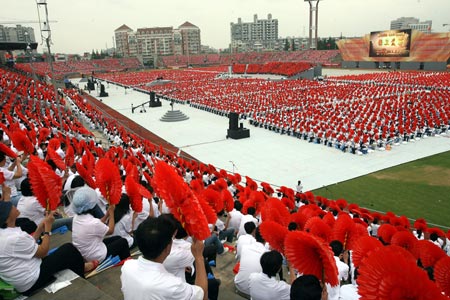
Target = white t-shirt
(87,236)
(242,241)
(9,179)
(348,292)
(245,219)
(123,227)
(30,208)
(18,266)
(180,257)
(249,263)
(143,279)
(235,219)
(264,288)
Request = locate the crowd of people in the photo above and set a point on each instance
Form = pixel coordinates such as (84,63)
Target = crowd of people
(356,114)
(185,215)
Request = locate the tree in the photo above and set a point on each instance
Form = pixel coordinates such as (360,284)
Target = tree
(293,45)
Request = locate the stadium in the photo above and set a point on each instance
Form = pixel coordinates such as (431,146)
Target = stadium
(346,140)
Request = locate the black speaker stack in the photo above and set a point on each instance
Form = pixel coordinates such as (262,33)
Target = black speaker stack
(235,131)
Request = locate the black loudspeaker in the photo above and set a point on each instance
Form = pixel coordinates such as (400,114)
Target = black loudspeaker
(234,120)
(152,96)
(102,91)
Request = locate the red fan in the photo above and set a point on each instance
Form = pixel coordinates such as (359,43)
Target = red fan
(213,198)
(317,227)
(311,255)
(274,234)
(299,218)
(420,224)
(132,188)
(439,232)
(342,203)
(388,274)
(54,144)
(182,202)
(59,162)
(342,229)
(267,188)
(44,132)
(7,151)
(442,274)
(227,200)
(404,239)
(385,232)
(208,211)
(197,185)
(275,210)
(70,156)
(429,253)
(329,219)
(363,247)
(21,141)
(46,184)
(2,178)
(251,183)
(108,180)
(83,172)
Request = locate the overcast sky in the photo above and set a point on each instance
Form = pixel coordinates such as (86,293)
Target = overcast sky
(83,25)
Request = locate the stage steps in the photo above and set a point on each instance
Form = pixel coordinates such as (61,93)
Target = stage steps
(174,116)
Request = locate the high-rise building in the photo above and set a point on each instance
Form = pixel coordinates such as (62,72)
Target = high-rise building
(411,23)
(256,35)
(125,42)
(190,38)
(17,34)
(149,43)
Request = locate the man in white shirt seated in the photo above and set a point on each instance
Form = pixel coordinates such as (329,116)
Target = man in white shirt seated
(246,239)
(147,278)
(341,258)
(234,217)
(307,287)
(264,285)
(249,263)
(250,216)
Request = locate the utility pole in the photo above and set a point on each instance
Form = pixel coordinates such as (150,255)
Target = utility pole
(46,35)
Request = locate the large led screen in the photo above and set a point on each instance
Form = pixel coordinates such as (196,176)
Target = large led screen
(390,43)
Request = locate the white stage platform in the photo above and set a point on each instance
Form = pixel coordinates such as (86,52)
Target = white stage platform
(266,155)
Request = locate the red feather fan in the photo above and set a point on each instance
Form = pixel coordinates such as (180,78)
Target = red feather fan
(274,234)
(213,198)
(300,219)
(148,177)
(59,162)
(21,141)
(46,184)
(208,211)
(404,239)
(311,255)
(363,247)
(197,185)
(428,252)
(442,274)
(329,219)
(420,224)
(132,188)
(70,156)
(255,200)
(275,210)
(54,143)
(251,183)
(342,229)
(87,177)
(7,151)
(2,178)
(388,274)
(227,200)
(183,204)
(44,132)
(386,232)
(108,180)
(319,228)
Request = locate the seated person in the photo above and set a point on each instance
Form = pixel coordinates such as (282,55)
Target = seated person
(307,287)
(263,285)
(147,275)
(25,264)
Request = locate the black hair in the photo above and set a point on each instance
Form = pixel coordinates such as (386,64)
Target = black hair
(337,247)
(153,236)
(271,263)
(77,181)
(2,156)
(26,188)
(258,237)
(238,205)
(434,236)
(52,164)
(306,287)
(251,211)
(292,226)
(122,208)
(249,227)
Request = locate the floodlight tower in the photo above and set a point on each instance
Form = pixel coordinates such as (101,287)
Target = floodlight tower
(313,22)
(46,34)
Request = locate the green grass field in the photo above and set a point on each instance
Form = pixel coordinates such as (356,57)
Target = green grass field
(419,189)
